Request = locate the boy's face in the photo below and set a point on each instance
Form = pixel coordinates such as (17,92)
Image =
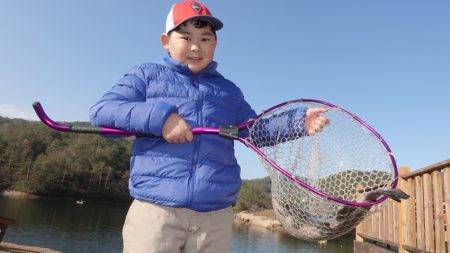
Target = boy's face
(191,46)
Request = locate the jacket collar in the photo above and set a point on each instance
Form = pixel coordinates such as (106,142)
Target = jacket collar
(183,68)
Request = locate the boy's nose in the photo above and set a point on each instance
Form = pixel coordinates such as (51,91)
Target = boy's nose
(195,48)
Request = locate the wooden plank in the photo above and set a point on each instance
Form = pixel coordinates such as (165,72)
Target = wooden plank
(369,248)
(412,249)
(7,247)
(6,220)
(390,221)
(438,211)
(411,214)
(428,211)
(420,215)
(375,239)
(373,223)
(381,222)
(397,221)
(428,169)
(447,204)
(359,229)
(401,208)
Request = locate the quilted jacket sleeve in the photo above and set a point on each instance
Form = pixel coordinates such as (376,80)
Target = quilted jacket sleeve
(246,112)
(279,128)
(126,106)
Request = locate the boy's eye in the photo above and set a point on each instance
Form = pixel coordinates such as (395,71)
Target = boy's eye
(206,39)
(184,38)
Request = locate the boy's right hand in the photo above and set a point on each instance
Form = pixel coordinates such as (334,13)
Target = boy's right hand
(176,130)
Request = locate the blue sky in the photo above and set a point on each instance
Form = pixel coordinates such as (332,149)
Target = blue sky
(386,61)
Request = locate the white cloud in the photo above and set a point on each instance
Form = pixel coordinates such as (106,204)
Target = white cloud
(12,111)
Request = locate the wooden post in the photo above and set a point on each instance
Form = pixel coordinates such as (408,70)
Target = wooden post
(401,210)
(438,211)
(420,216)
(447,204)
(428,210)
(390,221)
(411,215)
(359,229)
(380,224)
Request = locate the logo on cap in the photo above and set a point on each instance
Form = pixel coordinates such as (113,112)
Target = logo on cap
(196,7)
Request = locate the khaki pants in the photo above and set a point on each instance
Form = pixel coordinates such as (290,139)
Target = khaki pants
(151,228)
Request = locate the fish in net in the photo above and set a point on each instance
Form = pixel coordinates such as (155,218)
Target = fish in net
(323,184)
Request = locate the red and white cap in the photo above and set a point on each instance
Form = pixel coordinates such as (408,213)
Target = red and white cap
(186,10)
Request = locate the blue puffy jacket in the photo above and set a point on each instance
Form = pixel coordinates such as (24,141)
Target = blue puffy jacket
(202,175)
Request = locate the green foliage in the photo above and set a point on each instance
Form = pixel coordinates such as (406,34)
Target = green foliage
(36,159)
(254,195)
(39,160)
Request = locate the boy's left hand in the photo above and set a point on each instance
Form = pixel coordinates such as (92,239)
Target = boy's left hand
(176,130)
(314,121)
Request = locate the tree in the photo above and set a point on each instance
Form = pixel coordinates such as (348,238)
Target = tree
(36,159)
(253,196)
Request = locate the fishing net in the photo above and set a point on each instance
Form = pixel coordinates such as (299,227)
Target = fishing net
(334,164)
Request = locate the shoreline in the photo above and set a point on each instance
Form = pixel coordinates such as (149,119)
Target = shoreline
(18,194)
(265,219)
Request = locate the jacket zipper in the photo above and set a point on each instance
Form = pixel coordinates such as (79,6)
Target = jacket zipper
(195,151)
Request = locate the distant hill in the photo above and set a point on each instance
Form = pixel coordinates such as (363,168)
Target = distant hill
(39,160)
(36,159)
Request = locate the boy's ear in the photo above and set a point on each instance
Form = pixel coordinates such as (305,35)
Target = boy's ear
(165,41)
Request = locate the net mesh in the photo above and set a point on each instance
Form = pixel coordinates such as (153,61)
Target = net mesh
(344,157)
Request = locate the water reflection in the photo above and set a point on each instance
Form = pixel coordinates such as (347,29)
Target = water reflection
(63,225)
(255,239)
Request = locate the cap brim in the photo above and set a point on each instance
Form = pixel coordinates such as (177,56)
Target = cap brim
(215,23)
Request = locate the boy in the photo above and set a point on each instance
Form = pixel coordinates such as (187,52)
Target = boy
(183,186)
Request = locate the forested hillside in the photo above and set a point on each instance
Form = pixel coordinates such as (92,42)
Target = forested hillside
(36,159)
(39,160)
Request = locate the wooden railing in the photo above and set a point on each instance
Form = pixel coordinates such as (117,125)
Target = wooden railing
(4,223)
(419,224)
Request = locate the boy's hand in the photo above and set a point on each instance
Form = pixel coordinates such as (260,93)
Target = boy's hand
(314,122)
(176,130)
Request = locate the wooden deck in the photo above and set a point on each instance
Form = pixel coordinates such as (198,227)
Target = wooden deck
(418,224)
(4,223)
(14,248)
(5,247)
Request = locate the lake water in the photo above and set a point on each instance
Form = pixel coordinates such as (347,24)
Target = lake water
(95,227)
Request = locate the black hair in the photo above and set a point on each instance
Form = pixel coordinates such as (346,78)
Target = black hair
(197,23)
